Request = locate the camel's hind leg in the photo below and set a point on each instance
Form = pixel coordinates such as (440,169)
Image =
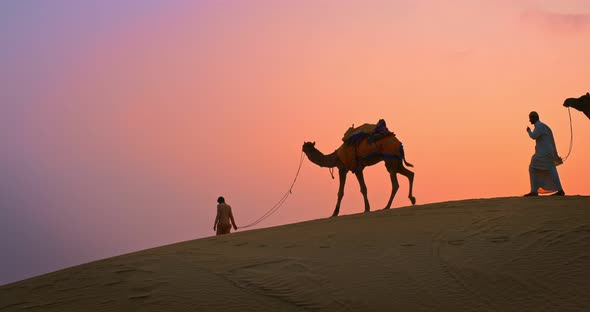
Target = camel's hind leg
(392,166)
(395,166)
(410,175)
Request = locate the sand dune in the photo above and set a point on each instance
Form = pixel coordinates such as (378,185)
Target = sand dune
(501,254)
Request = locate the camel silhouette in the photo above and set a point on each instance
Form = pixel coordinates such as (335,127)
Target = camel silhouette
(365,154)
(582,104)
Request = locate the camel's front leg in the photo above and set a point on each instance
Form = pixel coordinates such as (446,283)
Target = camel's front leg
(361,178)
(342,177)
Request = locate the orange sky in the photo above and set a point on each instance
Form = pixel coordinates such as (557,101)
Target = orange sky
(124,123)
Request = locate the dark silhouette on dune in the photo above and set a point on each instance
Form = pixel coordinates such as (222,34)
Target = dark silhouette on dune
(365,153)
(582,104)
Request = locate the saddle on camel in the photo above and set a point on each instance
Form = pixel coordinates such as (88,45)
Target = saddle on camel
(367,141)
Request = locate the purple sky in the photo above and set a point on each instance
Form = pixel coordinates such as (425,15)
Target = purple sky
(122,121)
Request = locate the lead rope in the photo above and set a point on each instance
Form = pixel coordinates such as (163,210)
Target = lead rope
(571,137)
(280,202)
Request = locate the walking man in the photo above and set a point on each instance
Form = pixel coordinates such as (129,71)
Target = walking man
(224,215)
(543,167)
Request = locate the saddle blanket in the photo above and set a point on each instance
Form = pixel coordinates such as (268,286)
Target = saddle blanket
(352,155)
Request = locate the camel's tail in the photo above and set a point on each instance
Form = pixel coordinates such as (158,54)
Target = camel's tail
(403,155)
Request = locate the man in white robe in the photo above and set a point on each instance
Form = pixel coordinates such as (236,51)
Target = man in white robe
(543,170)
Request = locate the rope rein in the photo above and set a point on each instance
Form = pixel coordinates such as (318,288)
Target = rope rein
(571,137)
(290,191)
(281,201)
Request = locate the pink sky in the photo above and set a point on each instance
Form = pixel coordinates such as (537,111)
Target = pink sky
(124,122)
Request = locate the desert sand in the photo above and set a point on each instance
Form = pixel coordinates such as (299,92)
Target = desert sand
(499,254)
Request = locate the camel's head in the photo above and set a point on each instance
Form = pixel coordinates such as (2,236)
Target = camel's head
(578,103)
(308,146)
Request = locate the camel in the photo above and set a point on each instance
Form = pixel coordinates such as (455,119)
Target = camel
(582,104)
(393,163)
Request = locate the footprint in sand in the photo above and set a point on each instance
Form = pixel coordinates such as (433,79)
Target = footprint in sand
(141,292)
(499,239)
(140,296)
(110,283)
(126,270)
(292,281)
(41,288)
(456,242)
(544,231)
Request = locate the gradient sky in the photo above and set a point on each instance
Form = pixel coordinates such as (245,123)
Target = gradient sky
(123,121)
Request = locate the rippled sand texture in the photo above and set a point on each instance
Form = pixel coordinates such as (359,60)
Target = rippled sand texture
(501,254)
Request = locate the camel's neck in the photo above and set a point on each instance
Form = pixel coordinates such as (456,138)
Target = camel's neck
(322,160)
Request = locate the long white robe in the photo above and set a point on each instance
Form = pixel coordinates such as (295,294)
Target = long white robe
(542,168)
(545,150)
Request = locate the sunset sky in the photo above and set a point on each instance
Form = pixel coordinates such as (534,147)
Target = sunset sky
(123,121)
